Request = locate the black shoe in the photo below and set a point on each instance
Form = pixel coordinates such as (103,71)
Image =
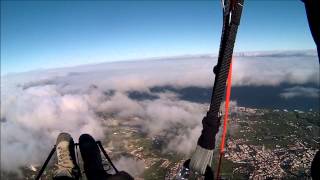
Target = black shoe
(92,161)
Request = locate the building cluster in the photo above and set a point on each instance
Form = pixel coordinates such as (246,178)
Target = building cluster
(275,162)
(260,163)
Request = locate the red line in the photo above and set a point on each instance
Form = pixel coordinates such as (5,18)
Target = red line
(225,121)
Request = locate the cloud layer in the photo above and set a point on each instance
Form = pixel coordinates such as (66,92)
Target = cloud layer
(36,106)
(32,119)
(299,91)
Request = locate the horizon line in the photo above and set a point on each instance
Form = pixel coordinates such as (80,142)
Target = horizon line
(155,58)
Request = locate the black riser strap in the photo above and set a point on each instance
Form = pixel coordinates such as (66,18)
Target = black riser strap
(211,122)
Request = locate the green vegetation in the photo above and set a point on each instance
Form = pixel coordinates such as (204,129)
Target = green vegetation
(155,172)
(278,128)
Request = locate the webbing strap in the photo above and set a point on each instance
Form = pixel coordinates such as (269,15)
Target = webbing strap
(226,114)
(211,121)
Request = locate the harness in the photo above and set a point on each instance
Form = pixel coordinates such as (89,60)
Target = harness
(38,177)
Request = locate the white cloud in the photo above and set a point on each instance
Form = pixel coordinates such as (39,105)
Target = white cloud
(33,119)
(133,166)
(273,71)
(299,91)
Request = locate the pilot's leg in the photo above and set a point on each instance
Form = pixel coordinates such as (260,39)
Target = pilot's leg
(92,161)
(67,167)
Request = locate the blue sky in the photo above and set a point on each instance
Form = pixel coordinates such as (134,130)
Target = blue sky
(47,34)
